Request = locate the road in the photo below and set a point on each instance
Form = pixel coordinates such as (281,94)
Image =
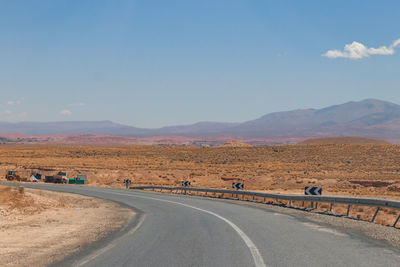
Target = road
(176,230)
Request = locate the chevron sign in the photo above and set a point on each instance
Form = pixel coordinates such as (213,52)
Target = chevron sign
(313,191)
(185,183)
(237,185)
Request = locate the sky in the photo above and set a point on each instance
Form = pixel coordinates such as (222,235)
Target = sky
(156,63)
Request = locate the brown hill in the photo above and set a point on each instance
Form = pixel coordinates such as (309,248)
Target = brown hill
(343,140)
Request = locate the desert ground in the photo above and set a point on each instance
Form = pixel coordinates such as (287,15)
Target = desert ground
(40,227)
(341,169)
(368,170)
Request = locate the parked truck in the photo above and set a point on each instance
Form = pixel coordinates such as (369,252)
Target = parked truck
(60,178)
(13,176)
(49,179)
(79,179)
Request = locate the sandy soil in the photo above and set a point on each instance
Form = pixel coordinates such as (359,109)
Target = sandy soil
(343,140)
(350,169)
(369,170)
(39,227)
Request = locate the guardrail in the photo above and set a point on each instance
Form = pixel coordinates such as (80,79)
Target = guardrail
(332,200)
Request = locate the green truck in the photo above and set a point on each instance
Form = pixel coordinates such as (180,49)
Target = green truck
(79,179)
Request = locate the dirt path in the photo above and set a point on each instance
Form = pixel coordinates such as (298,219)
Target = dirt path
(40,227)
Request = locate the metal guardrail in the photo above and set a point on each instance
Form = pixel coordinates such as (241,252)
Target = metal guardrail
(359,201)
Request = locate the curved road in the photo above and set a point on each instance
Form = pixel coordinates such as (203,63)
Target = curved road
(175,230)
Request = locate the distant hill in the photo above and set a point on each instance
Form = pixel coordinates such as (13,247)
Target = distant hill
(369,118)
(71,127)
(343,140)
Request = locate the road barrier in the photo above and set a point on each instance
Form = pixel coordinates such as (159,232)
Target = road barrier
(332,200)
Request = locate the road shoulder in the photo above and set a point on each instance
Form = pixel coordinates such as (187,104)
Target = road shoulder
(39,227)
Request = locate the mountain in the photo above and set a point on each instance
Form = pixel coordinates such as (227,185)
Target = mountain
(369,118)
(71,127)
(197,129)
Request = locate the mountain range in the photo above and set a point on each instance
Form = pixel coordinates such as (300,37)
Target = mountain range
(368,118)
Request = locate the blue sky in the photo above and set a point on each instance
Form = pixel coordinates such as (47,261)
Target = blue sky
(155,63)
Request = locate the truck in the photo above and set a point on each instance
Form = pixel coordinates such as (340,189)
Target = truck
(79,179)
(13,176)
(60,178)
(49,179)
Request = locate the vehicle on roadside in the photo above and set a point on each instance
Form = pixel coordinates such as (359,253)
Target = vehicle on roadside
(60,178)
(13,176)
(49,179)
(79,179)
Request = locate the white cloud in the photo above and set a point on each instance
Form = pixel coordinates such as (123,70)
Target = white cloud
(65,112)
(357,50)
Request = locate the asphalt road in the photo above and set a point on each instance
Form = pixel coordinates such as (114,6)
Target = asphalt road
(176,230)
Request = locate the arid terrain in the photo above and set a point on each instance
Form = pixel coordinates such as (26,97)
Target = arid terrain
(39,227)
(341,169)
(369,170)
(344,140)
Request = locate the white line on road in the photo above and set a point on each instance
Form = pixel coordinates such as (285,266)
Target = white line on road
(258,260)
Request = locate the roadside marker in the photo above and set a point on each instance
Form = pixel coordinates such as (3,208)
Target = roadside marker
(313,191)
(237,186)
(185,183)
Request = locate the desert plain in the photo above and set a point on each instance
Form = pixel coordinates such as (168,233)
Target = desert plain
(341,169)
(368,170)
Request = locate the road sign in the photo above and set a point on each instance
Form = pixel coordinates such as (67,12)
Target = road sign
(127,182)
(185,183)
(313,191)
(237,185)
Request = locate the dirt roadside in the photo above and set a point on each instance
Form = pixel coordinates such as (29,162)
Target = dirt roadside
(40,227)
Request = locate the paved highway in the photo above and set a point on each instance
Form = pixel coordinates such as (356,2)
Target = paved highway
(175,230)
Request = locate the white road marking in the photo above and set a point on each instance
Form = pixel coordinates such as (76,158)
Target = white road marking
(258,260)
